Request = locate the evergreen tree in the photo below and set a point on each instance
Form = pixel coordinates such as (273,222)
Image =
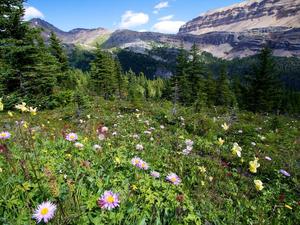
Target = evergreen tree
(224,95)
(210,89)
(120,79)
(264,88)
(103,74)
(180,80)
(58,52)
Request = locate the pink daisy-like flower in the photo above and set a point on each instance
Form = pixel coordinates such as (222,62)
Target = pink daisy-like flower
(109,200)
(173,178)
(4,135)
(285,173)
(44,211)
(155,174)
(71,137)
(143,165)
(135,161)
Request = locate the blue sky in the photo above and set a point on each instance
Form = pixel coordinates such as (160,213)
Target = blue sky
(147,15)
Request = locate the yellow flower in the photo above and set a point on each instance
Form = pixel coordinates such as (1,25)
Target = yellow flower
(25,125)
(32,111)
(258,185)
(236,150)
(117,160)
(287,206)
(253,165)
(202,169)
(1,170)
(10,113)
(22,107)
(220,141)
(85,140)
(225,126)
(1,105)
(134,187)
(202,183)
(210,178)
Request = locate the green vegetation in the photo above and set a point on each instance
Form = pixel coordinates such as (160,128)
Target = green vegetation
(95,141)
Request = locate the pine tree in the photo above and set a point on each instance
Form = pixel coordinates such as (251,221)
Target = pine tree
(58,52)
(120,79)
(210,89)
(180,80)
(264,87)
(224,95)
(196,80)
(103,74)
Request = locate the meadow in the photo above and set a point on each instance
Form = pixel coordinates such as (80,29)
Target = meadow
(117,163)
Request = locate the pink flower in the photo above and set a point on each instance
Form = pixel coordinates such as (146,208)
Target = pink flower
(173,178)
(155,174)
(4,135)
(109,200)
(44,211)
(71,137)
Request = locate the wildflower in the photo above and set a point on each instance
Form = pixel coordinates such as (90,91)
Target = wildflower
(25,124)
(71,137)
(134,187)
(88,116)
(22,107)
(147,132)
(10,113)
(143,165)
(253,143)
(155,174)
(268,158)
(236,149)
(258,185)
(189,142)
(101,137)
(135,161)
(139,147)
(202,183)
(220,141)
(78,145)
(187,150)
(1,170)
(1,105)
(32,111)
(287,206)
(104,129)
(202,169)
(162,127)
(114,133)
(210,178)
(135,136)
(253,165)
(117,160)
(285,173)
(97,147)
(225,126)
(44,211)
(173,178)
(109,200)
(4,135)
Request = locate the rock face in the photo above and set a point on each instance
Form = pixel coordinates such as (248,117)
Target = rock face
(236,31)
(84,37)
(247,15)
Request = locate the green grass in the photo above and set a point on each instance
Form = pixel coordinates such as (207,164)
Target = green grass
(41,165)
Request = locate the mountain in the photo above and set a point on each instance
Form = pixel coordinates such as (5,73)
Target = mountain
(236,31)
(86,38)
(247,15)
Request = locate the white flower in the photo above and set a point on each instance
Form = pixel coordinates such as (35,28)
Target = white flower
(78,145)
(101,137)
(162,127)
(139,147)
(253,143)
(236,150)
(97,147)
(189,142)
(225,126)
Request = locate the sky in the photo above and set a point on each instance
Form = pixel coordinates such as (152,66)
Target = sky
(165,16)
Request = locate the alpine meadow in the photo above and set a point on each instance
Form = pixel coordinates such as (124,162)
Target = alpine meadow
(155,120)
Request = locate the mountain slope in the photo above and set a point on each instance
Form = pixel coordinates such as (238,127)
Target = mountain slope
(245,16)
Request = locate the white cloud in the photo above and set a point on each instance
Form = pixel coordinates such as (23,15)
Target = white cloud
(161,5)
(155,12)
(132,19)
(168,26)
(143,30)
(31,12)
(169,17)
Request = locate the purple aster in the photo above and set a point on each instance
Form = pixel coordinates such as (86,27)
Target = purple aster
(143,165)
(71,137)
(109,200)
(285,173)
(4,135)
(44,211)
(173,178)
(155,174)
(135,161)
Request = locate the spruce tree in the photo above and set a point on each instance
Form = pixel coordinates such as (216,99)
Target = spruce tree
(264,86)
(210,89)
(58,52)
(103,74)
(224,95)
(120,79)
